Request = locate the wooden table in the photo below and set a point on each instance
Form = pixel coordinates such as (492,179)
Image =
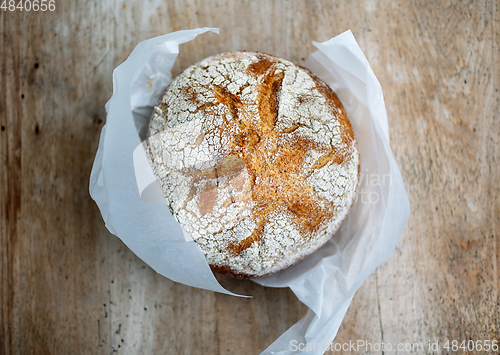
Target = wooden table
(70,287)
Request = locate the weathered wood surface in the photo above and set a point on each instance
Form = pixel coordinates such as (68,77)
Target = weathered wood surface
(70,287)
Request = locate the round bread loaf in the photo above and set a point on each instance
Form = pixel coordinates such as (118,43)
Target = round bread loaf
(256,158)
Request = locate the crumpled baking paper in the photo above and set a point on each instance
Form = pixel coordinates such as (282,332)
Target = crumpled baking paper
(324,281)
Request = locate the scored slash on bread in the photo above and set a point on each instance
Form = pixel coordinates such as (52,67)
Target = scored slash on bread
(256,158)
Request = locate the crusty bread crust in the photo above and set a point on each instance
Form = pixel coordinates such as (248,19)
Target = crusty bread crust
(257,159)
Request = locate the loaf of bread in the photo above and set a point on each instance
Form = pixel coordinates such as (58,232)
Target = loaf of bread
(256,158)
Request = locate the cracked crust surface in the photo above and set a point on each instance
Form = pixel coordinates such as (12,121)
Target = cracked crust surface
(256,158)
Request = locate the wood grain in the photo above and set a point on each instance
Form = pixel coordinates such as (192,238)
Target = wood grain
(68,286)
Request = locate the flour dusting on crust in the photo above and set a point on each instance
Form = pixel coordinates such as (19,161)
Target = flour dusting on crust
(256,158)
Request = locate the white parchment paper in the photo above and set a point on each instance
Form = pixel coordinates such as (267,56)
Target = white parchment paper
(326,280)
